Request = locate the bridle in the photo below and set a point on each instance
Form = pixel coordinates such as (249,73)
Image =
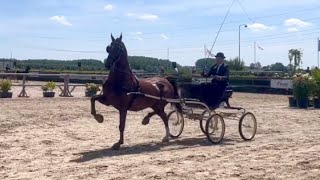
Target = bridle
(117,59)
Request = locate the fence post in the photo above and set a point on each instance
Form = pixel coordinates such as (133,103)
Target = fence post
(65,91)
(23,93)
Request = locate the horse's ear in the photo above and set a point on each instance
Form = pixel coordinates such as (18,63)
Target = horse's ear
(112,38)
(120,37)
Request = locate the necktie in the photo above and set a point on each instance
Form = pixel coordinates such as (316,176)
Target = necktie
(218,68)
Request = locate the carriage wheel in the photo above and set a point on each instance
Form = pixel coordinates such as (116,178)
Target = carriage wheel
(176,123)
(247,126)
(215,128)
(205,116)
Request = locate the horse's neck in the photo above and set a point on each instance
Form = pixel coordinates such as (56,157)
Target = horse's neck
(120,76)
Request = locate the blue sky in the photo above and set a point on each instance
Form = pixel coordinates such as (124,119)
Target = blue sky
(67,29)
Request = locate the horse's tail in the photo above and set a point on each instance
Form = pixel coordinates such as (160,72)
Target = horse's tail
(176,94)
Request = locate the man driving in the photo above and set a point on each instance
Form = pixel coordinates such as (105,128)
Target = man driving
(214,91)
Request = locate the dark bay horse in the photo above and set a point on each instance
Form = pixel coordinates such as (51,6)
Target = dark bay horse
(8,70)
(122,81)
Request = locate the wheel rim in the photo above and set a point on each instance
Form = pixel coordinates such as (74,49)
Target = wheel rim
(248,126)
(176,123)
(205,117)
(215,128)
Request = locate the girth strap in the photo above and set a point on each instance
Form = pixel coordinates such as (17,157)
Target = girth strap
(135,95)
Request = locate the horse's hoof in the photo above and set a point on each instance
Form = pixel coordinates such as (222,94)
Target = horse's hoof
(99,118)
(165,140)
(116,146)
(145,121)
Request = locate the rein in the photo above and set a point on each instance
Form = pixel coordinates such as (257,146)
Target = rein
(115,69)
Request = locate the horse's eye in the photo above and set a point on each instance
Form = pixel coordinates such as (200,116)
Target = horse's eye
(108,49)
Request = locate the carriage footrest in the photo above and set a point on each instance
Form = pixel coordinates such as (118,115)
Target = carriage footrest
(237,108)
(190,99)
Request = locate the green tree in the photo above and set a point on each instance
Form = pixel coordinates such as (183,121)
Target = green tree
(295,55)
(278,67)
(236,64)
(201,63)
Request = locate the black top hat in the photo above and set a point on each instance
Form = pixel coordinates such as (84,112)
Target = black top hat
(220,54)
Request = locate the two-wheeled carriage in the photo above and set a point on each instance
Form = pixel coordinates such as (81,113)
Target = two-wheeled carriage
(211,119)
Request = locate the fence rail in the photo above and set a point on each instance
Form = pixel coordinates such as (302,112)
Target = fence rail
(241,85)
(66,89)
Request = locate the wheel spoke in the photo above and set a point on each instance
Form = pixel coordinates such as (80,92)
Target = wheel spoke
(215,128)
(176,123)
(247,126)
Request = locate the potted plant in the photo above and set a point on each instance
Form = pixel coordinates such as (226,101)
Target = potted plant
(292,101)
(303,86)
(5,87)
(91,89)
(316,93)
(48,89)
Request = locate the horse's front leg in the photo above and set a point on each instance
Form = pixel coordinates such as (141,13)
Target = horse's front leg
(122,125)
(99,98)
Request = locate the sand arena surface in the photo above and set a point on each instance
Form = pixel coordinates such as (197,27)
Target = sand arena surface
(59,139)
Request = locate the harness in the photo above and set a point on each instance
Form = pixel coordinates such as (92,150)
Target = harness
(114,68)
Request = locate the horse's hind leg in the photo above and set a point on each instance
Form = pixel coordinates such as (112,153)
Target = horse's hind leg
(160,111)
(146,119)
(164,118)
(99,98)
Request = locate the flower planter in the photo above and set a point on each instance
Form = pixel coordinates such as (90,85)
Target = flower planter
(303,103)
(316,103)
(5,94)
(292,102)
(90,93)
(310,103)
(48,94)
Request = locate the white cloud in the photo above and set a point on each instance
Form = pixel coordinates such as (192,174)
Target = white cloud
(296,22)
(138,38)
(259,27)
(164,36)
(137,33)
(146,17)
(293,29)
(108,7)
(130,14)
(116,20)
(61,19)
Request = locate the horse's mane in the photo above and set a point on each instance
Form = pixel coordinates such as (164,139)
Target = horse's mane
(123,45)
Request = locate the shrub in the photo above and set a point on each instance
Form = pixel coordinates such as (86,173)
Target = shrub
(5,85)
(49,86)
(303,86)
(316,77)
(91,87)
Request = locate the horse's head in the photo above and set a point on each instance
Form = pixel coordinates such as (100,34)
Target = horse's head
(116,50)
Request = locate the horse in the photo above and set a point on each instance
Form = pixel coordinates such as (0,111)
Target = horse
(121,81)
(25,71)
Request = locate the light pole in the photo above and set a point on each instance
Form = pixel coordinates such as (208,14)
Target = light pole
(244,25)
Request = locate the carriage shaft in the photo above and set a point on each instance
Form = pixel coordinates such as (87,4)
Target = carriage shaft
(170,100)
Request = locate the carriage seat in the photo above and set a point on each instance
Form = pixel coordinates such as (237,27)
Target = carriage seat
(225,98)
(227,93)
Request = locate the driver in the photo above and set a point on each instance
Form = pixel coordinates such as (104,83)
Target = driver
(220,72)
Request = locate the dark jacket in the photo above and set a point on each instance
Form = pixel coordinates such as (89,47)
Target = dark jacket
(223,71)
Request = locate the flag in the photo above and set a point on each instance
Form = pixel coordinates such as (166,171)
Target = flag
(318,45)
(207,52)
(210,53)
(260,48)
